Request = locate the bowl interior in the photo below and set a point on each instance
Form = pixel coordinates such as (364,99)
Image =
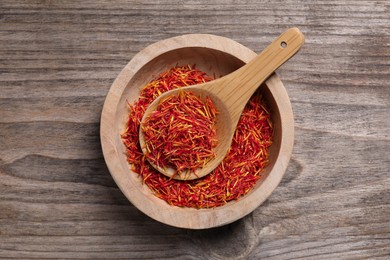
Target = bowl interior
(216,64)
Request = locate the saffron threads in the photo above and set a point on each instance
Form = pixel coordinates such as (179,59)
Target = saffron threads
(181,133)
(233,178)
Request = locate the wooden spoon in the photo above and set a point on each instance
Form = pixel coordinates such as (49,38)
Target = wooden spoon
(230,94)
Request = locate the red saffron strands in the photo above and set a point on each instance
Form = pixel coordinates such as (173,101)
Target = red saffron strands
(181,133)
(233,178)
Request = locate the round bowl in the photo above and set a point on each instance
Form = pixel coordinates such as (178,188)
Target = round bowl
(214,55)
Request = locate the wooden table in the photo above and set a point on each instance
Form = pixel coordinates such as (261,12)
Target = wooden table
(59,58)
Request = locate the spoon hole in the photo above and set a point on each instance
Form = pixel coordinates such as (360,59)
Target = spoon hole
(283,44)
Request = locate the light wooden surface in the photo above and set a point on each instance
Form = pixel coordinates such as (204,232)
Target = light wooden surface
(57,62)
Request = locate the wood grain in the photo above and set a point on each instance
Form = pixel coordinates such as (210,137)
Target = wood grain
(57,62)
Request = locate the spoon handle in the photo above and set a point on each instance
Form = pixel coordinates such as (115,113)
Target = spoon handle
(242,83)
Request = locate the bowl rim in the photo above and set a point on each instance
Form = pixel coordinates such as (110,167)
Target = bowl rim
(162,211)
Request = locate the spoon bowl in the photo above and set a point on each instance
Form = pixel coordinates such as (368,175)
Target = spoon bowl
(224,126)
(230,95)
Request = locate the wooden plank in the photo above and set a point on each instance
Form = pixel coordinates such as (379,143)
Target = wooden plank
(57,62)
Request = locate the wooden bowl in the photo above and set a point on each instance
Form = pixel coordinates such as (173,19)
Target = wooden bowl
(216,56)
